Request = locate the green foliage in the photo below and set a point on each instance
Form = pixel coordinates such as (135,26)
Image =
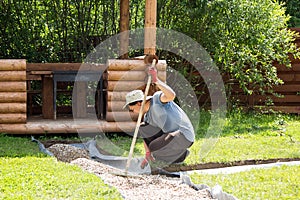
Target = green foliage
(243,37)
(45,178)
(293,9)
(55,31)
(272,184)
(246,37)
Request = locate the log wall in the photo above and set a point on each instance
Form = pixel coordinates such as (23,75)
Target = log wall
(124,76)
(12,91)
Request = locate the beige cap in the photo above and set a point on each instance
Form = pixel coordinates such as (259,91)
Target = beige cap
(135,95)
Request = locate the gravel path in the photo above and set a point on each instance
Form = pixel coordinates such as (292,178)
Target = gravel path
(144,187)
(150,187)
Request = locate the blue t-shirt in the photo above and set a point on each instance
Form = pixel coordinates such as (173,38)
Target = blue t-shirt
(169,117)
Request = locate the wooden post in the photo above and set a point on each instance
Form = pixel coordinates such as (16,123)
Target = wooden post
(124,27)
(47,96)
(80,99)
(150,27)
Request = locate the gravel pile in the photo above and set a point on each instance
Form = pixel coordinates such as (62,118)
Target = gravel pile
(67,153)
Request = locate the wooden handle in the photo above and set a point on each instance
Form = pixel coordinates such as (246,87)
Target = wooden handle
(138,121)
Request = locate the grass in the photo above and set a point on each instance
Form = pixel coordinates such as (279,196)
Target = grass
(25,173)
(244,136)
(251,136)
(18,147)
(272,183)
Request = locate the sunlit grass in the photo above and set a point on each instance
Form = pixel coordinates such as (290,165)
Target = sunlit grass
(45,178)
(272,183)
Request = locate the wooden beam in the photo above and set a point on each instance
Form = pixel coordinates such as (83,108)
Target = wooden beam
(133,75)
(121,116)
(12,97)
(64,66)
(19,86)
(13,75)
(12,118)
(47,97)
(132,64)
(150,27)
(124,28)
(50,127)
(13,107)
(12,64)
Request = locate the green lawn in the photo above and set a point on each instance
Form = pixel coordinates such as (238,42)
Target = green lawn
(25,172)
(269,184)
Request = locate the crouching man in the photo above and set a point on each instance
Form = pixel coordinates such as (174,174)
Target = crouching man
(166,129)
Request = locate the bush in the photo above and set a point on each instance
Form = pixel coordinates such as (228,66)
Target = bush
(246,37)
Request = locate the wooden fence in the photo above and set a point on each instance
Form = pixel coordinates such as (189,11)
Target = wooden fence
(289,100)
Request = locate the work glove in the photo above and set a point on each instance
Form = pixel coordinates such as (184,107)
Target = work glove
(152,71)
(148,157)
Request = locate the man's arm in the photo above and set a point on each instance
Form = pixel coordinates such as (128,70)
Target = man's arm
(168,93)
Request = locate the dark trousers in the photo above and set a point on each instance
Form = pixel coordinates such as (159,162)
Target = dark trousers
(164,147)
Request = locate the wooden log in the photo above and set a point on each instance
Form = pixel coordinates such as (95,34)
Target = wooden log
(12,64)
(116,96)
(17,86)
(132,64)
(13,76)
(124,85)
(133,75)
(50,128)
(13,97)
(150,27)
(12,107)
(121,116)
(115,106)
(12,118)
(64,66)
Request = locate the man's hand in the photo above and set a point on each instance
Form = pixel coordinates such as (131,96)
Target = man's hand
(152,71)
(148,157)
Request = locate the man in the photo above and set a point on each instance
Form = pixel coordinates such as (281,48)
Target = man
(166,130)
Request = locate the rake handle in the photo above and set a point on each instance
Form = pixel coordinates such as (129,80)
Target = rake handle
(139,120)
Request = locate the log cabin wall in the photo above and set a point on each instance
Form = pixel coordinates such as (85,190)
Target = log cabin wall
(13,91)
(124,76)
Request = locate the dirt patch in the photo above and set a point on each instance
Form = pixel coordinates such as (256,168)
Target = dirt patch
(214,165)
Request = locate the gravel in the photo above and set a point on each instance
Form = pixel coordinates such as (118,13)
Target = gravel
(145,186)
(156,187)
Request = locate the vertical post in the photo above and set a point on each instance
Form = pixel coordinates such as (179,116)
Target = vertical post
(150,27)
(124,28)
(47,96)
